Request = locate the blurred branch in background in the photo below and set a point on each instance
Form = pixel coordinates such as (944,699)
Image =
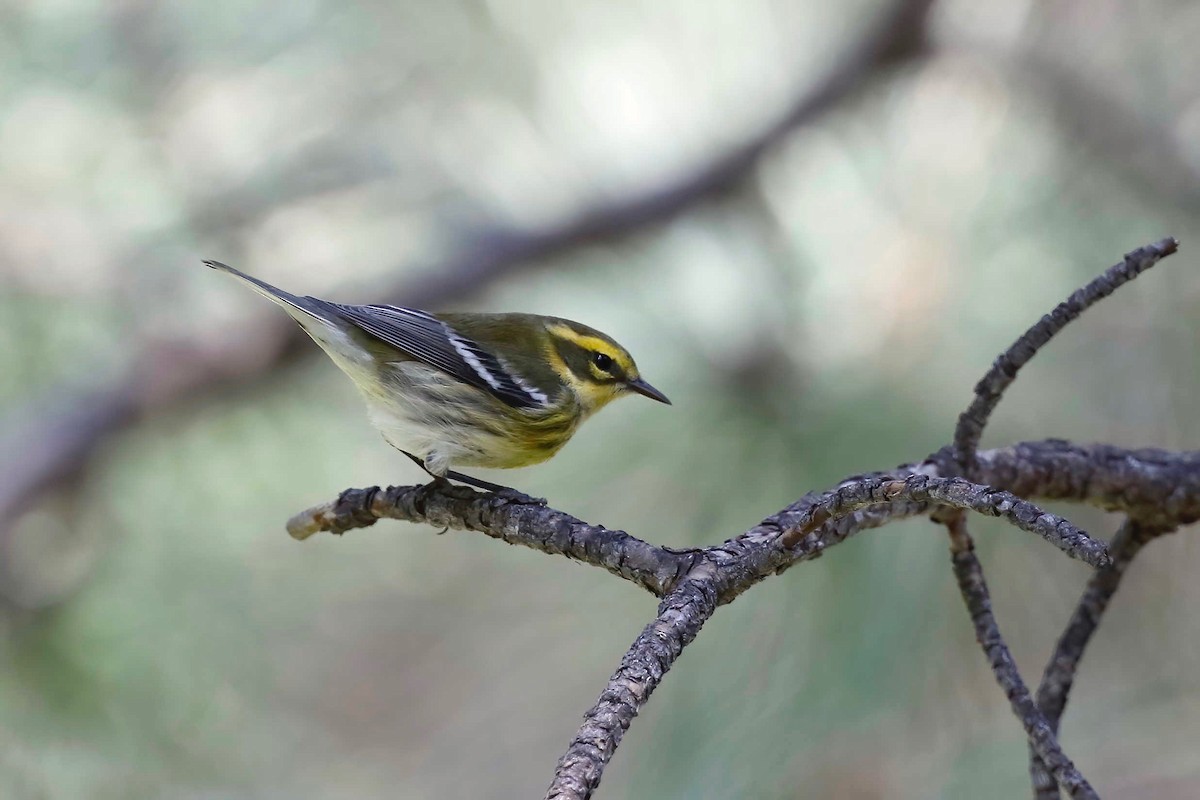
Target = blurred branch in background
(66,437)
(46,445)
(1096,116)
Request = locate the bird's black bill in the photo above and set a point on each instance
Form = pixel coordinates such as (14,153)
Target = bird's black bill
(646,390)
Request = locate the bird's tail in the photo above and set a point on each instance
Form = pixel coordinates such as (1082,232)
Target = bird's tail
(298,307)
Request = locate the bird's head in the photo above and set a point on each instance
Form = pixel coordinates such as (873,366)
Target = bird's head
(593,366)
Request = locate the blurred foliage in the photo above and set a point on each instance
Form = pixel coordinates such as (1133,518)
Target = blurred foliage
(162,637)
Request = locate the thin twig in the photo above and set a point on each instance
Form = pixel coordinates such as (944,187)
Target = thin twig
(969,573)
(1059,675)
(955,493)
(991,387)
(965,461)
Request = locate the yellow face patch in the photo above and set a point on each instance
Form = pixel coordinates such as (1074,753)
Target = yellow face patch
(596,386)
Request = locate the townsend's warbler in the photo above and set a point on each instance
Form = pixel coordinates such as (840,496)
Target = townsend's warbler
(477,390)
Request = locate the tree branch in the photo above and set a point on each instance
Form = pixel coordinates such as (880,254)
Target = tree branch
(953,493)
(991,387)
(969,573)
(532,525)
(695,582)
(798,532)
(680,617)
(1059,675)
(964,460)
(1142,481)
(1101,475)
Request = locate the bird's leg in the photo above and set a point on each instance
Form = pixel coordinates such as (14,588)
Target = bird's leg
(437,479)
(504,492)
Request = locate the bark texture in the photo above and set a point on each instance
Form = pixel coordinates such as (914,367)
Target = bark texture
(1156,489)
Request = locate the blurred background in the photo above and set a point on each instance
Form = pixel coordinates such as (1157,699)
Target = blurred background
(814,224)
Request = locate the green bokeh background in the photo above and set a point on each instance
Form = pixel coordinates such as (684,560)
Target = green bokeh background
(162,637)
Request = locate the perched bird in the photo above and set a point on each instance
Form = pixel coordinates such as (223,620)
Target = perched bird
(474,390)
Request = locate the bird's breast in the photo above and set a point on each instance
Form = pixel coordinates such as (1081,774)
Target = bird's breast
(423,411)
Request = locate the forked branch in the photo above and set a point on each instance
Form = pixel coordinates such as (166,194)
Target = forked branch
(1059,675)
(1157,489)
(695,582)
(795,533)
(991,387)
(1042,737)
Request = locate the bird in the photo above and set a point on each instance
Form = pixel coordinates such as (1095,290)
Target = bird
(492,390)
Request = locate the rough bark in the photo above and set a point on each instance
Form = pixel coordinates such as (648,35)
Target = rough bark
(1158,490)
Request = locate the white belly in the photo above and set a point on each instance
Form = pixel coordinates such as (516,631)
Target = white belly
(420,409)
(423,411)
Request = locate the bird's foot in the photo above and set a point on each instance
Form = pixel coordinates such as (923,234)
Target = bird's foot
(504,493)
(441,482)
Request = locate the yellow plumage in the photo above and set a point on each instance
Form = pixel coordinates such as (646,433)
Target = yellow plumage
(479,390)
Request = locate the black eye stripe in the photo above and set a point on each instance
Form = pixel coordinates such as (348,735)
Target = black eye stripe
(603,361)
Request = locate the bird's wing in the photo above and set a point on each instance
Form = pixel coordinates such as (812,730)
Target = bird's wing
(426,338)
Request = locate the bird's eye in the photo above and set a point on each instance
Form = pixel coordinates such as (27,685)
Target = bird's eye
(602,360)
